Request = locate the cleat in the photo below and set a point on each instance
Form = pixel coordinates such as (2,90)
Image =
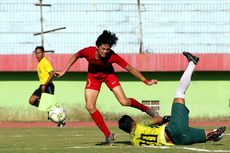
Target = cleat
(165,119)
(216,134)
(110,139)
(61,124)
(152,112)
(191,57)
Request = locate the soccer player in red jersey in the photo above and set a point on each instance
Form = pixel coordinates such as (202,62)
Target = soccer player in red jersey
(100,69)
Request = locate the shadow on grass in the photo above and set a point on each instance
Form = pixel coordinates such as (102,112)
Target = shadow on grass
(218,144)
(123,142)
(116,142)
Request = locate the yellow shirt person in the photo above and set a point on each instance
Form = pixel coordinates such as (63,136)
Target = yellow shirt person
(45,75)
(44,67)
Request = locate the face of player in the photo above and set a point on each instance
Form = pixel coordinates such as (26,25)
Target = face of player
(103,50)
(39,54)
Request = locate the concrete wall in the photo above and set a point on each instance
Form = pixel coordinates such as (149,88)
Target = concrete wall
(208,94)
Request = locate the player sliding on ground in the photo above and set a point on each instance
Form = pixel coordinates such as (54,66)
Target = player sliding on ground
(100,69)
(177,130)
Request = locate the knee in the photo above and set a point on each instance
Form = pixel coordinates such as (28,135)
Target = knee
(34,102)
(179,100)
(91,108)
(125,102)
(31,101)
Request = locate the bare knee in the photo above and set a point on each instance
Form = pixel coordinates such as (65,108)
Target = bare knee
(90,108)
(31,102)
(34,101)
(179,100)
(125,102)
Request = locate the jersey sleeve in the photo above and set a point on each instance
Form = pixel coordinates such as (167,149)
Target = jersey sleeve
(119,60)
(81,53)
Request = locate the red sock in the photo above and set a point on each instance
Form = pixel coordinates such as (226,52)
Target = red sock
(98,119)
(138,105)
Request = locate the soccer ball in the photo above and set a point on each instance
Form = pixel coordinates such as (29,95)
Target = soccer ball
(57,114)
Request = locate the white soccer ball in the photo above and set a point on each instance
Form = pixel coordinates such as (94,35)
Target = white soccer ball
(57,114)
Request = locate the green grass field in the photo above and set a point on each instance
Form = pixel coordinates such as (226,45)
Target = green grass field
(88,140)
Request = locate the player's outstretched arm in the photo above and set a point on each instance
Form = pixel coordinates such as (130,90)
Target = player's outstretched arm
(71,61)
(138,75)
(157,120)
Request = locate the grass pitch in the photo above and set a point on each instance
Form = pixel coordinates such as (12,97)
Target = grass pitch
(89,140)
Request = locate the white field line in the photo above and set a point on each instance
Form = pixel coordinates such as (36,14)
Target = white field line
(70,147)
(99,147)
(188,148)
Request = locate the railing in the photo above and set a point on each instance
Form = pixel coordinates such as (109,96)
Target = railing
(167,26)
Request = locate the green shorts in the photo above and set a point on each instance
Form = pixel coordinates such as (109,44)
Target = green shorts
(178,128)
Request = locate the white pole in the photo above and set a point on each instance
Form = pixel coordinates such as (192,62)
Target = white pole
(41,20)
(140,27)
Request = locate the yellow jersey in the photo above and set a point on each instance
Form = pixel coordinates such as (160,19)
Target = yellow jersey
(144,135)
(44,67)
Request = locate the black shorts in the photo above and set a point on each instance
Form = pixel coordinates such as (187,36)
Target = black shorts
(178,128)
(49,90)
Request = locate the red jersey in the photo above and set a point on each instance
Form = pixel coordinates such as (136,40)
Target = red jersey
(103,65)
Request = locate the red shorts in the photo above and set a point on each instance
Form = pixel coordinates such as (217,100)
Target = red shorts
(95,81)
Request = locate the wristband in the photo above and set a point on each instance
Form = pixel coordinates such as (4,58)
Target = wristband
(145,81)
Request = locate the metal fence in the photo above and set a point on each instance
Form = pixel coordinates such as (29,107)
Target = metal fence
(168,26)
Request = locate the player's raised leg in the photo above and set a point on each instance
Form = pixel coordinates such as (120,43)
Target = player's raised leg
(178,126)
(124,101)
(35,97)
(34,100)
(186,77)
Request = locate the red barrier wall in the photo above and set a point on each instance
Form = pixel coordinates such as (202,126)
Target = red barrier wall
(143,62)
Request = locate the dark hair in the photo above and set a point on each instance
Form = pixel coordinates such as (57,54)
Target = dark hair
(40,47)
(107,37)
(125,123)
